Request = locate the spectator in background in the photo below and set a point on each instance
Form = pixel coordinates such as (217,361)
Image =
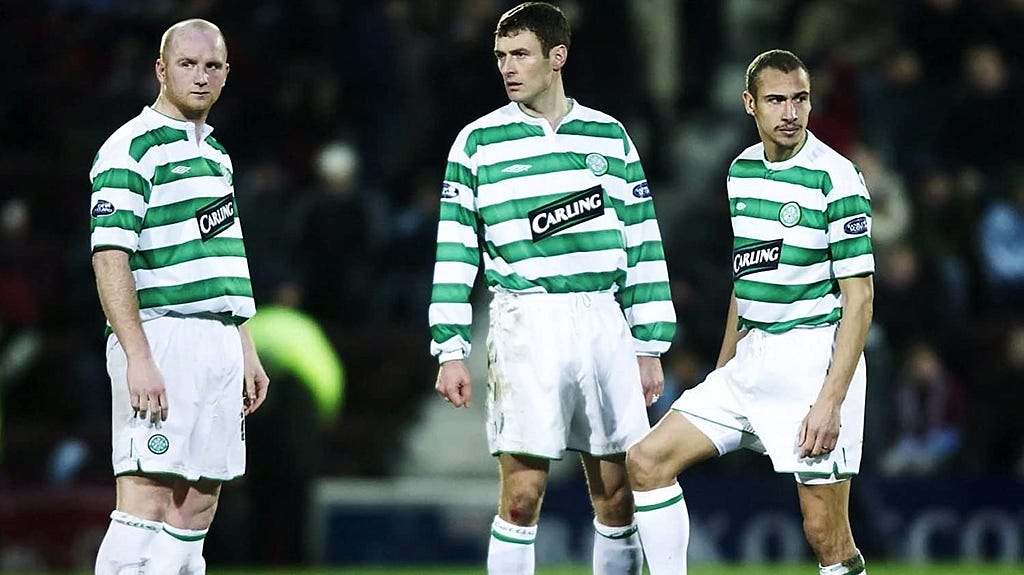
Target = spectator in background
(930,415)
(911,302)
(891,210)
(340,221)
(1001,247)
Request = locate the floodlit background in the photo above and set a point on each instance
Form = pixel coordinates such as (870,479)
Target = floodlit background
(339,115)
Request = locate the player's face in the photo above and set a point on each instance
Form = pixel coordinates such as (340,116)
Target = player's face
(193,73)
(781,110)
(525,70)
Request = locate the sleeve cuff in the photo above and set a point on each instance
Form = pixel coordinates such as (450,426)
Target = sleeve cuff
(447,356)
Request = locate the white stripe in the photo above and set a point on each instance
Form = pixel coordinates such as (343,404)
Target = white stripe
(450,314)
(766,230)
(837,231)
(572,263)
(210,188)
(528,186)
(650,312)
(191,271)
(178,233)
(793,275)
(860,265)
(775,191)
(780,312)
(114,237)
(454,273)
(454,232)
(647,272)
(645,231)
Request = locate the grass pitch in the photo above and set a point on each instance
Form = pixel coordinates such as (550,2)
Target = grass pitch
(727,569)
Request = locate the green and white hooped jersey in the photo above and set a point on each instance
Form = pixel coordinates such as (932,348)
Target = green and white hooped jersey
(561,210)
(170,204)
(799,226)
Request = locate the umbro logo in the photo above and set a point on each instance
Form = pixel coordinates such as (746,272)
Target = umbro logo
(181,170)
(517,168)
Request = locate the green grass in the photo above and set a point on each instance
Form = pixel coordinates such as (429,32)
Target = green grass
(774,569)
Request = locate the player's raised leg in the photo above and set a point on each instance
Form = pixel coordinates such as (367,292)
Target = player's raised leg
(616,543)
(662,518)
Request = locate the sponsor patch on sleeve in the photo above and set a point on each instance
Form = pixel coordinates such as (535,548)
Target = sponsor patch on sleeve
(856,226)
(642,190)
(102,208)
(449,191)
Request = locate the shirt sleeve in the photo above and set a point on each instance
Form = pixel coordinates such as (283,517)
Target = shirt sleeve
(848,211)
(457,258)
(120,196)
(646,298)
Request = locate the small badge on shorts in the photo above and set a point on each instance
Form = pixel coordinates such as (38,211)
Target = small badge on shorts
(158,443)
(789,214)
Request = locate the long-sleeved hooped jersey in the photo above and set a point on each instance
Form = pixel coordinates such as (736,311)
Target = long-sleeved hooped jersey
(548,211)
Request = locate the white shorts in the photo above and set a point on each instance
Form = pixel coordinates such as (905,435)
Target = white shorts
(759,398)
(204,435)
(562,374)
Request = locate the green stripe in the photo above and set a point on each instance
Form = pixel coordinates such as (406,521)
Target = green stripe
(544,164)
(456,252)
(194,291)
(122,179)
(507,539)
(589,281)
(645,293)
(776,293)
(557,245)
(216,145)
(450,293)
(497,134)
(848,206)
(657,331)
(186,538)
(121,219)
(769,210)
(443,332)
(662,505)
(453,212)
(784,326)
(633,172)
(175,213)
(188,251)
(632,214)
(162,135)
(596,130)
(652,251)
(791,255)
(814,179)
(197,167)
(455,172)
(851,248)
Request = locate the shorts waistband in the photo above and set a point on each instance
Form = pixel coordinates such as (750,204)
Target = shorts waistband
(542,298)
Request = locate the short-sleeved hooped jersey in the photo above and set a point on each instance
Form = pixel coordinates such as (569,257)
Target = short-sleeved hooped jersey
(799,226)
(549,211)
(169,202)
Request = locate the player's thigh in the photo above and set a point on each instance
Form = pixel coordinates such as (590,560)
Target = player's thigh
(674,444)
(523,481)
(825,507)
(145,497)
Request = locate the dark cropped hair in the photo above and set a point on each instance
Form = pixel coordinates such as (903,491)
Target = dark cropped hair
(781,60)
(545,20)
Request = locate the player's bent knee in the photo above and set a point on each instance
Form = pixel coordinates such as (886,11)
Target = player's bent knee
(645,472)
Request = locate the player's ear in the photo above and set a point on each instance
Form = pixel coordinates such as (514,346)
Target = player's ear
(160,68)
(559,54)
(748,103)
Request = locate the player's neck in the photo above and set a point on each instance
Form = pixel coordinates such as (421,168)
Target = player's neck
(171,111)
(552,105)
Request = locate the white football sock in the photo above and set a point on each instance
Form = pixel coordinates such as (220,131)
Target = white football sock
(617,550)
(852,566)
(664,525)
(126,543)
(510,551)
(176,548)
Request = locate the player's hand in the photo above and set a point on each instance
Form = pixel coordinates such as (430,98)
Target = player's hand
(453,383)
(146,390)
(652,378)
(256,384)
(819,431)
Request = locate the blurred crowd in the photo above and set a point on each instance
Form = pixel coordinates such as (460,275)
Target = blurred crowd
(339,115)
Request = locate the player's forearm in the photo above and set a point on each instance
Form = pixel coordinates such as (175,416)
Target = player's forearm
(248,345)
(731,334)
(851,336)
(116,288)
